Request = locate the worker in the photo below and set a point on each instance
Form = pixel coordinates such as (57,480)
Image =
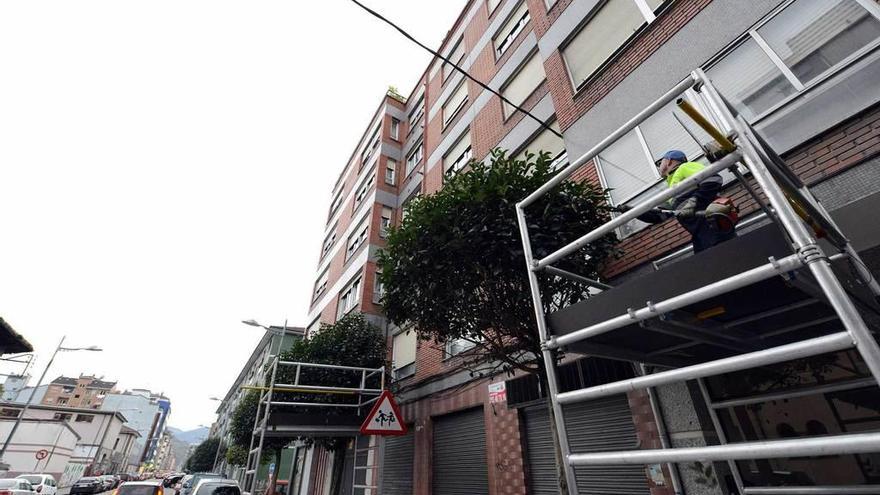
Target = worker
(709,219)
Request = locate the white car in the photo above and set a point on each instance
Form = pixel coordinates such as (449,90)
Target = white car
(44,484)
(215,486)
(16,486)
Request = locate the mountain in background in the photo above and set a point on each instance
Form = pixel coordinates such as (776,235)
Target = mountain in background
(191,437)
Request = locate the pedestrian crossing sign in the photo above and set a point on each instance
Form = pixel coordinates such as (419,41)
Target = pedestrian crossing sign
(384,418)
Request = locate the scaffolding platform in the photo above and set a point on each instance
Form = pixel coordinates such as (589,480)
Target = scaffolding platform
(775,311)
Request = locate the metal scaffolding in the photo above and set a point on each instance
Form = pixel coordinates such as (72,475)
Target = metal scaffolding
(799,216)
(360,397)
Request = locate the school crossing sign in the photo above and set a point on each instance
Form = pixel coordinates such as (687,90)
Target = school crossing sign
(384,418)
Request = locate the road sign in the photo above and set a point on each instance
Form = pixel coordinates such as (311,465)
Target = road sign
(41,454)
(385,418)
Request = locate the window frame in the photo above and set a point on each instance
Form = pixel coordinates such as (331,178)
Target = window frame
(371,145)
(647,14)
(417,148)
(534,55)
(321,287)
(394,129)
(362,191)
(383,225)
(462,159)
(416,114)
(458,108)
(514,33)
(329,241)
(409,369)
(799,86)
(391,166)
(361,235)
(457,61)
(353,288)
(378,287)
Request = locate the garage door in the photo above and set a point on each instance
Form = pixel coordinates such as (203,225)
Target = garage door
(397,465)
(460,454)
(595,426)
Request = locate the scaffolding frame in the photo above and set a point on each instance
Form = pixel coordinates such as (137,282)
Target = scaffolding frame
(365,397)
(789,204)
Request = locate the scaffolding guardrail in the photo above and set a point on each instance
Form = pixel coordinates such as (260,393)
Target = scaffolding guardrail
(793,208)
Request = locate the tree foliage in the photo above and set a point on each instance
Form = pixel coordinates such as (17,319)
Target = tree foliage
(454,269)
(241,429)
(202,458)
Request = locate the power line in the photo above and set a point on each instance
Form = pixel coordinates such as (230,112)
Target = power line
(455,66)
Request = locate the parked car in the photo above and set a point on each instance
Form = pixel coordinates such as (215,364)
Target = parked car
(15,486)
(88,485)
(211,486)
(140,488)
(179,486)
(44,484)
(187,487)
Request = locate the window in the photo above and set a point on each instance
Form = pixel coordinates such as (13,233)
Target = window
(514,25)
(459,155)
(371,146)
(456,101)
(357,239)
(544,141)
(403,357)
(456,56)
(337,200)
(491,5)
(414,158)
(458,346)
(321,283)
(391,172)
(328,242)
(9,413)
(605,32)
(526,80)
(417,113)
(378,287)
(62,416)
(386,220)
(84,418)
(62,401)
(627,166)
(791,50)
(348,298)
(362,191)
(395,129)
(314,327)
(406,203)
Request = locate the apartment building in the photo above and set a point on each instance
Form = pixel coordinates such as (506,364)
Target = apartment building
(275,340)
(147,413)
(804,73)
(85,392)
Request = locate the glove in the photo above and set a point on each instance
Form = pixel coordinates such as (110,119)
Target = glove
(688,209)
(623,208)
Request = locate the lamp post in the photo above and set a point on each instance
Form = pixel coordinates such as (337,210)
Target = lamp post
(273,331)
(39,382)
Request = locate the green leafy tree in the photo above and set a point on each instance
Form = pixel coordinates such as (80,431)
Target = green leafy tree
(454,269)
(202,458)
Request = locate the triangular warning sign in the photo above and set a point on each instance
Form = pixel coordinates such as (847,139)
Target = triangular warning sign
(385,418)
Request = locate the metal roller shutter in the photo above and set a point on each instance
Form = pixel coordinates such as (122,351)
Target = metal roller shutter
(595,426)
(397,465)
(460,466)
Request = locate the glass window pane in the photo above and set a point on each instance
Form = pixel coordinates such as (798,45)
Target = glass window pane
(545,141)
(663,132)
(601,37)
(626,168)
(812,36)
(523,84)
(749,80)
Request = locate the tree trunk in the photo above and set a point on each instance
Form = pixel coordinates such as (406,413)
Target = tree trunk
(338,467)
(560,463)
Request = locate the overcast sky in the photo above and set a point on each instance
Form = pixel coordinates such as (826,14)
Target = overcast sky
(165,172)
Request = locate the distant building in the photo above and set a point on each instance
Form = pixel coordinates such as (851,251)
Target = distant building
(277,340)
(147,413)
(13,385)
(86,392)
(99,449)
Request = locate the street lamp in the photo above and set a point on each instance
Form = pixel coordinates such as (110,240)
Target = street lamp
(273,331)
(39,382)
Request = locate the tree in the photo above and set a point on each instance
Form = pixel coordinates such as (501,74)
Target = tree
(454,269)
(202,458)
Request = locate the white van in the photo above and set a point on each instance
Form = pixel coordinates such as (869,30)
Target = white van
(44,484)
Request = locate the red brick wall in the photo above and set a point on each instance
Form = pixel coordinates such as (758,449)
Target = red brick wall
(647,434)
